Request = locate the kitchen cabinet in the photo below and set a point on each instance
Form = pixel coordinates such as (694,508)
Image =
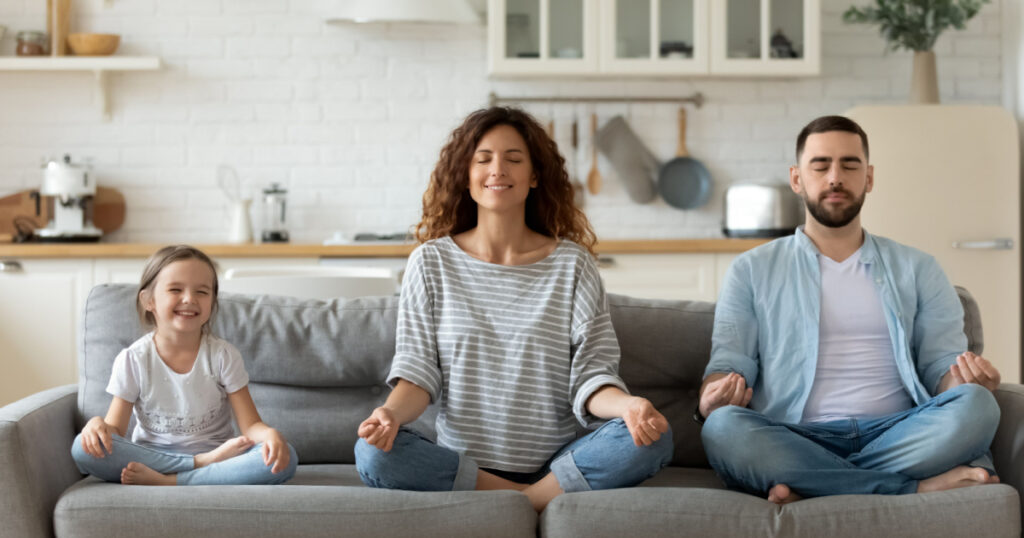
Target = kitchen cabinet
(766,37)
(654,37)
(129,270)
(545,37)
(39,321)
(694,277)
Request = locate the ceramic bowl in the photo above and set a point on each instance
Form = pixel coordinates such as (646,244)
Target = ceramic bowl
(93,44)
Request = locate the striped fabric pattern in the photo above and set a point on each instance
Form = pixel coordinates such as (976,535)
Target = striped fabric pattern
(511,352)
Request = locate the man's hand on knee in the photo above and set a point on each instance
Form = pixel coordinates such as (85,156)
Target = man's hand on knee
(728,389)
(971,368)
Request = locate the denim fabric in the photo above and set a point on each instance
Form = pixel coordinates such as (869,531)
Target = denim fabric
(603,459)
(766,320)
(244,469)
(752,452)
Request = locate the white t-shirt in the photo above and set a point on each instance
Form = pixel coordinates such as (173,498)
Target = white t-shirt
(856,375)
(187,413)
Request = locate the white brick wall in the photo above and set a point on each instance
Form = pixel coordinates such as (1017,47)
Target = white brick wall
(350,118)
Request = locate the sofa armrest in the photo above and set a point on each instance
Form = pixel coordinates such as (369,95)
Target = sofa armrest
(35,460)
(1008,444)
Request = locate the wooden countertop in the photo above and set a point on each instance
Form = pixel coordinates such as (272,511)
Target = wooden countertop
(371,250)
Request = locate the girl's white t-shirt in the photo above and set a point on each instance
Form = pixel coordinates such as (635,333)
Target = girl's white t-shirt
(187,413)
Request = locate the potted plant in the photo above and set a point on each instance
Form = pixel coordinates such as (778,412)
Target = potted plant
(916,25)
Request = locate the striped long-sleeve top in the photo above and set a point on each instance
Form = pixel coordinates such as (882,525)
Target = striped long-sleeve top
(511,352)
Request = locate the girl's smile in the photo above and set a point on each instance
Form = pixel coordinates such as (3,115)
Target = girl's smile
(181,299)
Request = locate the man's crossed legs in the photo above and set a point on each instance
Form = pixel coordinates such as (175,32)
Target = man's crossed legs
(941,444)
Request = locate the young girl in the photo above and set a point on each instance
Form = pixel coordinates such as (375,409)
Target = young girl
(182,384)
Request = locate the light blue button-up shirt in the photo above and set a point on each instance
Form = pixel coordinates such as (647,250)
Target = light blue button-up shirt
(766,320)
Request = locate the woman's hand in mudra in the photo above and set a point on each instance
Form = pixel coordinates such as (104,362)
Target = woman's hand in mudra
(380,429)
(645,423)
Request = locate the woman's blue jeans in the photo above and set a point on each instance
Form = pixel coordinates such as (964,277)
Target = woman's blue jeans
(244,469)
(603,459)
(887,455)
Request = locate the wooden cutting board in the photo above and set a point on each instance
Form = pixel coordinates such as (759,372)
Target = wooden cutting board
(108,211)
(21,206)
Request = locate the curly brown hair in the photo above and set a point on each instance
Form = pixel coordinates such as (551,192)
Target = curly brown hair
(448,208)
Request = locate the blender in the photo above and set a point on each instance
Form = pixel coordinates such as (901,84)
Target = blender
(274,200)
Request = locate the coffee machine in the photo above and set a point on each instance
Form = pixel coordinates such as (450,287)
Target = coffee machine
(70,189)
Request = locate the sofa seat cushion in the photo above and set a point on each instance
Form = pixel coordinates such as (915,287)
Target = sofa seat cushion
(684,477)
(991,511)
(90,507)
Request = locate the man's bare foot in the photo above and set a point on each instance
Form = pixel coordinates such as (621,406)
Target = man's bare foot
(781,494)
(957,477)
(138,474)
(228,450)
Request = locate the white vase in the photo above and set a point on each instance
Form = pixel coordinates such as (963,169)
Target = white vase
(241,225)
(924,83)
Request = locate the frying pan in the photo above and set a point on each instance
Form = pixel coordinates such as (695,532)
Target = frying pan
(684,182)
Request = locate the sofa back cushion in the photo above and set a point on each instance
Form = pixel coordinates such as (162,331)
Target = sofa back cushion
(317,368)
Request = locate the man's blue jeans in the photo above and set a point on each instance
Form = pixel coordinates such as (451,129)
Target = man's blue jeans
(603,459)
(887,455)
(244,469)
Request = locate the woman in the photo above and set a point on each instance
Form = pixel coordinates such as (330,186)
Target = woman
(504,320)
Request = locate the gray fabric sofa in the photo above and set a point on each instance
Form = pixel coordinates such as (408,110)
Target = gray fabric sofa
(317,369)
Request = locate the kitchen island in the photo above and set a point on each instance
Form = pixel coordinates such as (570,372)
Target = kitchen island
(355,250)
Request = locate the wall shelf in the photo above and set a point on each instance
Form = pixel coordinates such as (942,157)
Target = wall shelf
(98,65)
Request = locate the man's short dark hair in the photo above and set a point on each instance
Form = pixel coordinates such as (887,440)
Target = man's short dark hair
(826,124)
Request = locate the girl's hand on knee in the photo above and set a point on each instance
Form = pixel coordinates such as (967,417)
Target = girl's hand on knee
(644,422)
(275,451)
(380,429)
(98,436)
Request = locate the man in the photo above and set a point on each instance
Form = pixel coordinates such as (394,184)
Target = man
(848,349)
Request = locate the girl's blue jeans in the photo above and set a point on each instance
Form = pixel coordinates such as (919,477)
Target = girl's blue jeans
(753,453)
(603,459)
(244,469)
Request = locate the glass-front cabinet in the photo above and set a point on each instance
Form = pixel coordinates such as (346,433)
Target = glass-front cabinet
(654,37)
(765,37)
(542,37)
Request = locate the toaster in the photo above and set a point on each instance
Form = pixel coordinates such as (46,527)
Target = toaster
(761,210)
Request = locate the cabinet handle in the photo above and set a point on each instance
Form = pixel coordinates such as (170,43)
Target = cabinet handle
(991,244)
(11,266)
(605,261)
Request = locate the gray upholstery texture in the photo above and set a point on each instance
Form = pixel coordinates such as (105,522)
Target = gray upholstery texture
(317,369)
(704,512)
(35,462)
(89,507)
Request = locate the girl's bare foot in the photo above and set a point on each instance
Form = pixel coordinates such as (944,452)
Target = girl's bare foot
(957,477)
(781,494)
(228,450)
(138,474)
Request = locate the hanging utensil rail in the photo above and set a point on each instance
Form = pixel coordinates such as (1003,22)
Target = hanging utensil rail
(697,99)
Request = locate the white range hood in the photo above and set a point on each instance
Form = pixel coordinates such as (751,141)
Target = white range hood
(414,11)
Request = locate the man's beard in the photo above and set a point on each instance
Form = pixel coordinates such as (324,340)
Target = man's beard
(836,218)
